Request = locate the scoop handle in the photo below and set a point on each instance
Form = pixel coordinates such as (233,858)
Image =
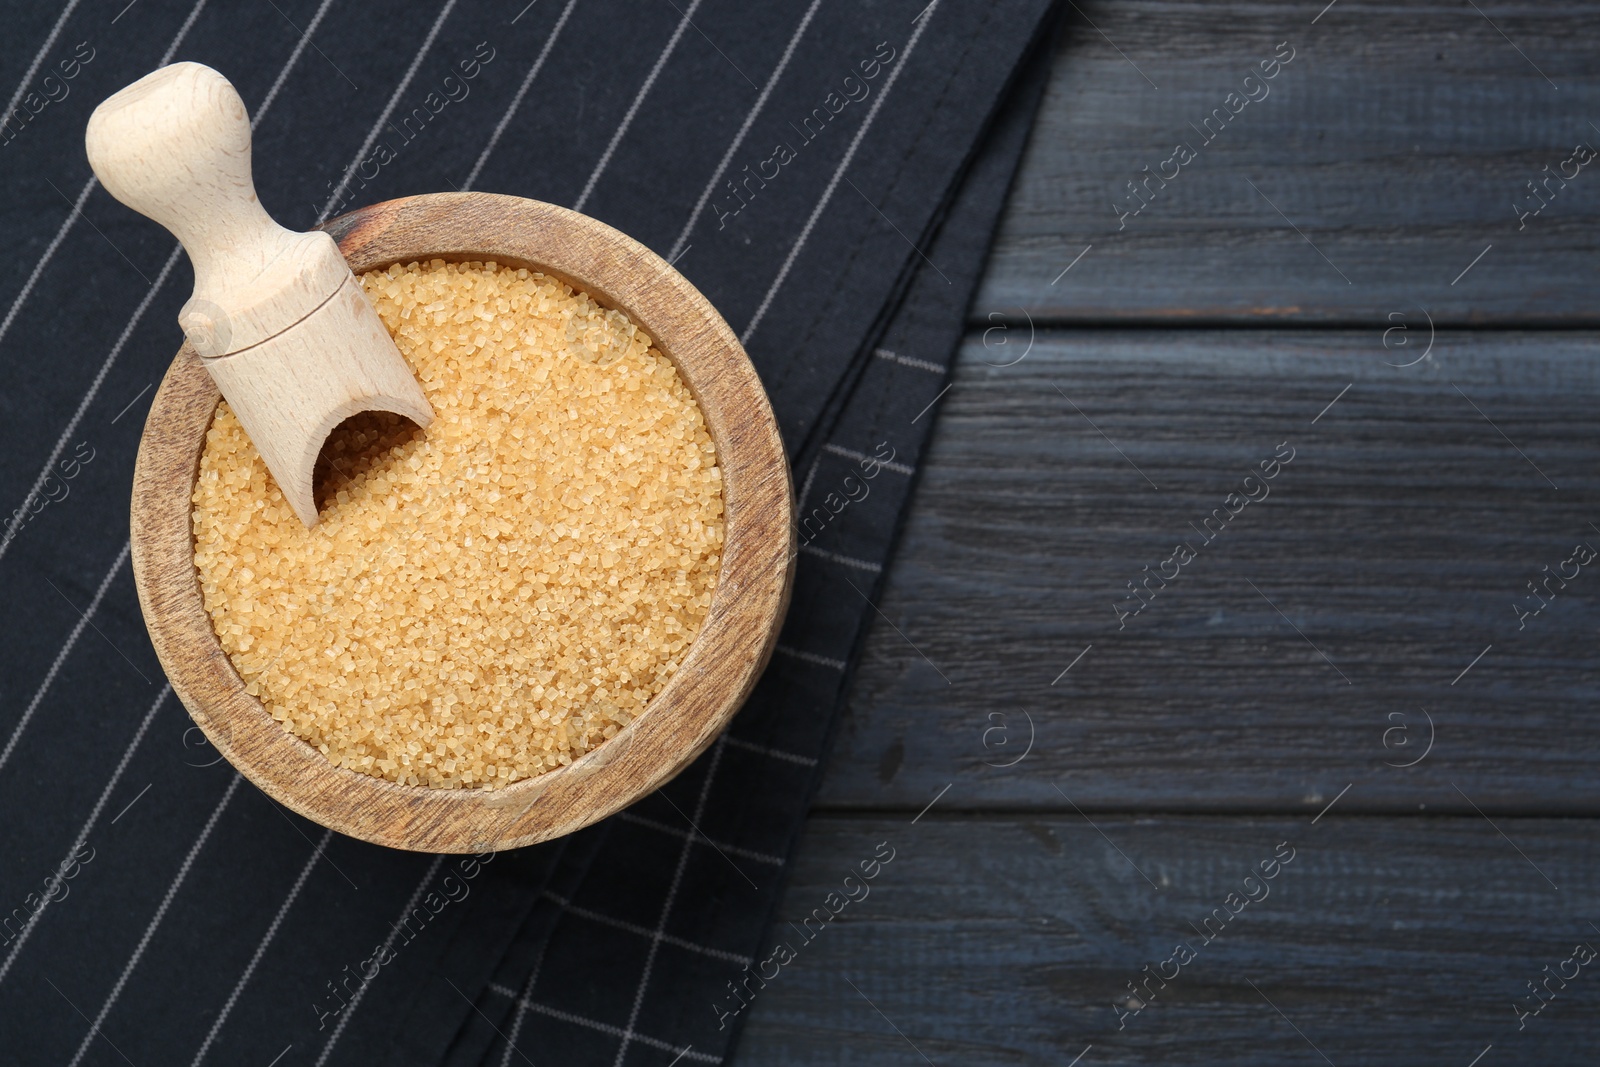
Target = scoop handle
(175,146)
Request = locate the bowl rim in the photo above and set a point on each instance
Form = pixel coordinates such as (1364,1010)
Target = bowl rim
(726,658)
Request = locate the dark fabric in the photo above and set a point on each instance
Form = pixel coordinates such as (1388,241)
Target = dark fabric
(156,908)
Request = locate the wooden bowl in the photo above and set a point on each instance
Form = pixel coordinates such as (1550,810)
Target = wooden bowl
(728,655)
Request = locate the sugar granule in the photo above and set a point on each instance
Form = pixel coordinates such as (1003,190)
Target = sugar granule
(489,599)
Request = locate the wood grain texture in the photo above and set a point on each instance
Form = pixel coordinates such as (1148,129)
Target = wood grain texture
(1397,142)
(1006,941)
(1396,543)
(727,657)
(1388,156)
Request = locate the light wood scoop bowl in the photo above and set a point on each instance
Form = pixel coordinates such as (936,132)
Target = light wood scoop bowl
(717,675)
(280,322)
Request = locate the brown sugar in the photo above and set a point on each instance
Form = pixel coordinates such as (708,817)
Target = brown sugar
(489,599)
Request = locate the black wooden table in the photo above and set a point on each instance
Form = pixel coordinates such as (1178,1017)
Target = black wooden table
(1232,700)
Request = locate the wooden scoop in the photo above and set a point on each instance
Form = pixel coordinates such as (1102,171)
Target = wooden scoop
(276,316)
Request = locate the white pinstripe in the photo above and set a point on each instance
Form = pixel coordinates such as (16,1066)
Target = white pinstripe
(183,31)
(775,753)
(525,1004)
(909,361)
(833,183)
(812,657)
(521,1003)
(88,825)
(49,253)
(844,561)
(673,831)
(749,120)
(516,1017)
(516,101)
(394,100)
(61,656)
(660,933)
(862,457)
(261,949)
(388,943)
(88,397)
(38,58)
(294,58)
(633,108)
(155,920)
(644,931)
(805,490)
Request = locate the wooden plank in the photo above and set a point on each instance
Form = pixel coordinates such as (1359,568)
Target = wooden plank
(1385,157)
(1302,649)
(1012,941)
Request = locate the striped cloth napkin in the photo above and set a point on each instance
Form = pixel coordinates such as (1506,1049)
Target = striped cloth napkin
(828,175)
